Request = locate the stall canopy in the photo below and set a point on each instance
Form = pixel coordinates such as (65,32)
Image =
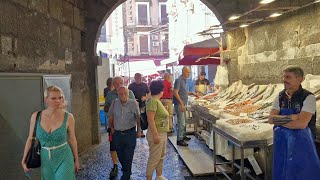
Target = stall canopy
(201,53)
(169,60)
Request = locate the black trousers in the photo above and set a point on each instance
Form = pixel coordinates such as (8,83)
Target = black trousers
(125,143)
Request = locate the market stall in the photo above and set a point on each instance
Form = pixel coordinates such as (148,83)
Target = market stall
(239,114)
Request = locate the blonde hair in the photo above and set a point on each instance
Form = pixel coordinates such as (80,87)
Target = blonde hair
(52,89)
(56,89)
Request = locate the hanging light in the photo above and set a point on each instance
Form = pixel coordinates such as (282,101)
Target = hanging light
(275,15)
(244,25)
(234,17)
(266,1)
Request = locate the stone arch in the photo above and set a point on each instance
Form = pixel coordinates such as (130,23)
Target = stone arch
(98,12)
(213,8)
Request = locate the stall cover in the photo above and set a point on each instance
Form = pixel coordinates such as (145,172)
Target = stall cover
(202,53)
(146,68)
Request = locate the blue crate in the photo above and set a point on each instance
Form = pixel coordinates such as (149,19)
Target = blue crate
(103,118)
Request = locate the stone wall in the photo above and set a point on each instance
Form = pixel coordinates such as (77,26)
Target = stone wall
(260,52)
(45,36)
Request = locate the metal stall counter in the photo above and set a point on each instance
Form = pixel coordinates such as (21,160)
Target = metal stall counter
(262,144)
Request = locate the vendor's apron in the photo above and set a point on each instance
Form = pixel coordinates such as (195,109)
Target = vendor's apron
(295,155)
(203,88)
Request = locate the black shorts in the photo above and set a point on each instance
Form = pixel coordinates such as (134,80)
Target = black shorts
(112,146)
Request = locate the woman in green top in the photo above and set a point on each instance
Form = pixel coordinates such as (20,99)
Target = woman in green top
(157,131)
(56,133)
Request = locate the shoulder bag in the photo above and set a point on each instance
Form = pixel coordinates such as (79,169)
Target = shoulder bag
(33,159)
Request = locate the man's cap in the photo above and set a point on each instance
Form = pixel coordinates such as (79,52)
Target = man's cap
(202,74)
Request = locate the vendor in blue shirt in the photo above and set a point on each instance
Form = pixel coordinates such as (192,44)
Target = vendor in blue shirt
(295,156)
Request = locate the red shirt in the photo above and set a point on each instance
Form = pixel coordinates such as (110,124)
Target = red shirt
(167,90)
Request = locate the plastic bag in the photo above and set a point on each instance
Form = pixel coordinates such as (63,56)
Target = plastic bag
(221,77)
(295,156)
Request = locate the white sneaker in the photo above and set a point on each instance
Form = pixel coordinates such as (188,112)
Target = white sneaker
(161,178)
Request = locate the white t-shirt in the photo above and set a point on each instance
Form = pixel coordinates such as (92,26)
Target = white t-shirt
(309,104)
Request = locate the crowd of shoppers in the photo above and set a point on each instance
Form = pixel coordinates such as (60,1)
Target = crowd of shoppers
(55,127)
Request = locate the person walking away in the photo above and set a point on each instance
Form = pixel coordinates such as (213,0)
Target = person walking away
(180,99)
(141,92)
(111,96)
(157,132)
(166,98)
(125,116)
(56,133)
(295,156)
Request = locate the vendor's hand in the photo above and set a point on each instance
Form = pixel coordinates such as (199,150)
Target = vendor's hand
(156,139)
(270,119)
(112,130)
(138,135)
(182,108)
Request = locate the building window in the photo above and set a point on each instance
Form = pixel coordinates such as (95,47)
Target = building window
(142,17)
(164,43)
(163,15)
(104,37)
(144,45)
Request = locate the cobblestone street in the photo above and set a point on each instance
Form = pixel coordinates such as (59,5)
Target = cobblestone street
(96,163)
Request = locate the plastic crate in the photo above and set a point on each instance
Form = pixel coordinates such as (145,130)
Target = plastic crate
(103,118)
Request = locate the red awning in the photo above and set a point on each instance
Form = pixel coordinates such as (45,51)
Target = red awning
(199,60)
(201,53)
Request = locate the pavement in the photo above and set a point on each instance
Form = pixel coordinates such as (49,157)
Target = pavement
(96,163)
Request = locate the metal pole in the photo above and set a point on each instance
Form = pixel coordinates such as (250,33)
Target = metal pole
(221,49)
(128,68)
(242,174)
(214,152)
